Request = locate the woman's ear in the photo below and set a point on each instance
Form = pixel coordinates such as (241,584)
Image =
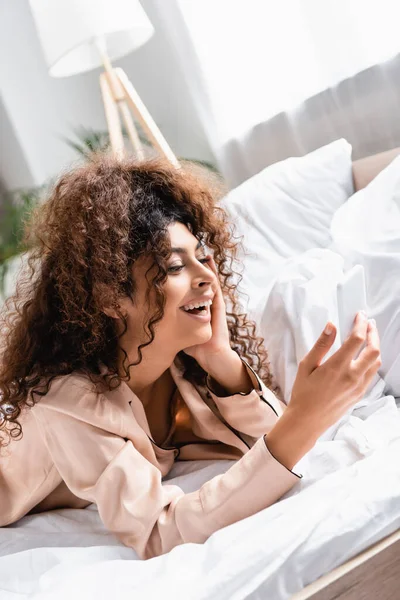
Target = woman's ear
(121,307)
(111,312)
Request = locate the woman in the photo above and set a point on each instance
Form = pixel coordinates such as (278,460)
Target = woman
(120,358)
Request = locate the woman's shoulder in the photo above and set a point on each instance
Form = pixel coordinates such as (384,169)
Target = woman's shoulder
(77,397)
(74,383)
(75,390)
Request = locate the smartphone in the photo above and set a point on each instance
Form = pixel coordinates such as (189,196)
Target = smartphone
(351,294)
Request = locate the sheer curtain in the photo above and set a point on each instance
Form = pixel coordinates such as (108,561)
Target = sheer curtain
(252,65)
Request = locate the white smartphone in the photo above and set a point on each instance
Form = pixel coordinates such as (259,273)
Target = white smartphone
(352,298)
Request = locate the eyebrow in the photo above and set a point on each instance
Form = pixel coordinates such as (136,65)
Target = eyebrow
(184,250)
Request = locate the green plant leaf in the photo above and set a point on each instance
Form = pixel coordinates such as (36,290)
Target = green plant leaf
(16,207)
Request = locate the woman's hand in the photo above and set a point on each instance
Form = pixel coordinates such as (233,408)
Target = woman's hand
(322,393)
(218,345)
(325,392)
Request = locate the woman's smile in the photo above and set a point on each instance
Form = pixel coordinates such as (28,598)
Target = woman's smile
(199,308)
(203,314)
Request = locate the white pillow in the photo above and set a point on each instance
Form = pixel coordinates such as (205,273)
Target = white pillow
(287,209)
(304,297)
(366,231)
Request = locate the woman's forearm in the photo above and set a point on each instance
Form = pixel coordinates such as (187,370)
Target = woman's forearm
(230,373)
(291,438)
(293,435)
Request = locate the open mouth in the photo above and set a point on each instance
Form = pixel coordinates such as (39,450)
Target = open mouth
(197,311)
(201,309)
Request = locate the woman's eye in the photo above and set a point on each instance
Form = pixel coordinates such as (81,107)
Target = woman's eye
(175,268)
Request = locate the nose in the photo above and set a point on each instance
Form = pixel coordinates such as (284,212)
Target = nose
(204,278)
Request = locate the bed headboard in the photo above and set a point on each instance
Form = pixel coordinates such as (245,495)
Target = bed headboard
(366,169)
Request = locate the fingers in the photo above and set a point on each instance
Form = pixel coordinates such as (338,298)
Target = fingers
(313,359)
(363,369)
(370,374)
(212,265)
(366,379)
(355,341)
(218,303)
(370,357)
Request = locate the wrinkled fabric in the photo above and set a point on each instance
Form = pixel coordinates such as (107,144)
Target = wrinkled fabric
(81,446)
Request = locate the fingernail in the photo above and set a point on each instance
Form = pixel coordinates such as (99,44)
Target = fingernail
(373,322)
(328,329)
(363,314)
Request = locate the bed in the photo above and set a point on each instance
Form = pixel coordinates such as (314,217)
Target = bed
(374,573)
(345,547)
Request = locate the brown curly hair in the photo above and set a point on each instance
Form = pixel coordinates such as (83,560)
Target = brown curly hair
(100,218)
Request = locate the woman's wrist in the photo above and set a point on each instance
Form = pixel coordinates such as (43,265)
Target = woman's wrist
(230,373)
(291,438)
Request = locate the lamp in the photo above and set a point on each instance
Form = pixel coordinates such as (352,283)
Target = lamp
(81,35)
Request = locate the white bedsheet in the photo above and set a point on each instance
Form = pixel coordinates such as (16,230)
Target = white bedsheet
(349,498)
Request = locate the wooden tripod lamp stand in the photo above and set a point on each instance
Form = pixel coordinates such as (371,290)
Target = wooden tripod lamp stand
(81,35)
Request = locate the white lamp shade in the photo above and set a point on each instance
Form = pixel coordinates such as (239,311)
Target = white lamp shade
(68,29)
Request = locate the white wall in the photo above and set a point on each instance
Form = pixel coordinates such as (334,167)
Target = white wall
(39,110)
(14,169)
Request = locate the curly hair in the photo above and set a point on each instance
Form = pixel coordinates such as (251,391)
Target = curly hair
(99,219)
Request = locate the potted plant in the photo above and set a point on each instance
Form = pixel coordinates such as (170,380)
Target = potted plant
(15,208)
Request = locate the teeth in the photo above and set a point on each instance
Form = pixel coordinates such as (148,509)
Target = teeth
(191,306)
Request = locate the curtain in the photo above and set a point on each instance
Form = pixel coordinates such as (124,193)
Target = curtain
(269,77)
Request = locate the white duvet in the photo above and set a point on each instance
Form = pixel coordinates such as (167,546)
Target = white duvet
(348,498)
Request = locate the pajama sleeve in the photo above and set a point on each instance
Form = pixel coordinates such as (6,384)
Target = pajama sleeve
(253,414)
(104,468)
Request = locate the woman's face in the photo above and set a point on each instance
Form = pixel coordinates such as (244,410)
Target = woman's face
(190,282)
